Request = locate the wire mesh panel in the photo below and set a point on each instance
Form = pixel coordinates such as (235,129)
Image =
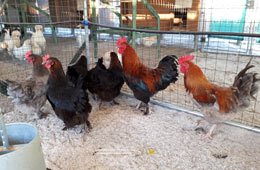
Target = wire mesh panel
(61,32)
(220,56)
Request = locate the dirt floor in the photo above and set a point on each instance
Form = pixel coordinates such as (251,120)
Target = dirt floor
(123,138)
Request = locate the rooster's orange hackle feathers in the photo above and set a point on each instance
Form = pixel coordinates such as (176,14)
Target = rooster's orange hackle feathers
(218,103)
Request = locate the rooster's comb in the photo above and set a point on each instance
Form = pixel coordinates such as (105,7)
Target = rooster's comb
(121,40)
(46,57)
(28,54)
(185,58)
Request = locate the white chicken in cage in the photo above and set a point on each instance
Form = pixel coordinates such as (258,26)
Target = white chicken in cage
(19,53)
(36,49)
(11,41)
(38,37)
(16,35)
(149,41)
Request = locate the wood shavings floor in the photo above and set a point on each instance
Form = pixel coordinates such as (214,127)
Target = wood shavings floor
(123,138)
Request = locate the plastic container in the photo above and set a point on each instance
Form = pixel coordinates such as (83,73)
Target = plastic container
(25,152)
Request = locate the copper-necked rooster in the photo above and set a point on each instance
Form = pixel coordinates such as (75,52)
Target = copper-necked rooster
(144,81)
(218,103)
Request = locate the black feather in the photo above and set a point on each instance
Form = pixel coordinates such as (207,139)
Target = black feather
(75,70)
(3,87)
(106,83)
(168,67)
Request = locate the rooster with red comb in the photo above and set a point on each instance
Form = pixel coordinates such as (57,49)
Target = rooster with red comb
(142,80)
(218,103)
(30,95)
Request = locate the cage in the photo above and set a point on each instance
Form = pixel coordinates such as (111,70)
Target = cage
(223,38)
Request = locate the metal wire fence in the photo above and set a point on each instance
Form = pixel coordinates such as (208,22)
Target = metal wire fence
(222,45)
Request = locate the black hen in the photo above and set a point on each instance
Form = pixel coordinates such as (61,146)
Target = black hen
(80,67)
(106,83)
(70,102)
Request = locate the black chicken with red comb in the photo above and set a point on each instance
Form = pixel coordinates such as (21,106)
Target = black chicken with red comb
(69,101)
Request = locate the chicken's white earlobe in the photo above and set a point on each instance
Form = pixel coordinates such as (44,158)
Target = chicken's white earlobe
(107,59)
(120,59)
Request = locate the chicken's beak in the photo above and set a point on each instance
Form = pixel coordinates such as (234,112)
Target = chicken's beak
(24,58)
(43,63)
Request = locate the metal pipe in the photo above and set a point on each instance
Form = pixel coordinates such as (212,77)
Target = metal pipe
(86,33)
(231,52)
(3,132)
(172,107)
(94,28)
(155,14)
(144,30)
(49,23)
(134,4)
(178,32)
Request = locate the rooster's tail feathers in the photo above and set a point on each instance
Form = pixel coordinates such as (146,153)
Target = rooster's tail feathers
(168,72)
(170,59)
(170,66)
(246,83)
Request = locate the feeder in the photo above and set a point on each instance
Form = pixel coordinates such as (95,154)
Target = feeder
(20,147)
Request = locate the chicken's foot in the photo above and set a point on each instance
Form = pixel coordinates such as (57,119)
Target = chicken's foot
(100,104)
(94,97)
(147,110)
(115,102)
(88,125)
(65,128)
(209,134)
(138,105)
(199,122)
(198,127)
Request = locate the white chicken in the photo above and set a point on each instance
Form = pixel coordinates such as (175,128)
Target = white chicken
(16,35)
(37,37)
(19,53)
(149,41)
(7,35)
(8,42)
(36,49)
(11,41)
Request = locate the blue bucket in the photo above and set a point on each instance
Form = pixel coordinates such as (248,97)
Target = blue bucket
(25,151)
